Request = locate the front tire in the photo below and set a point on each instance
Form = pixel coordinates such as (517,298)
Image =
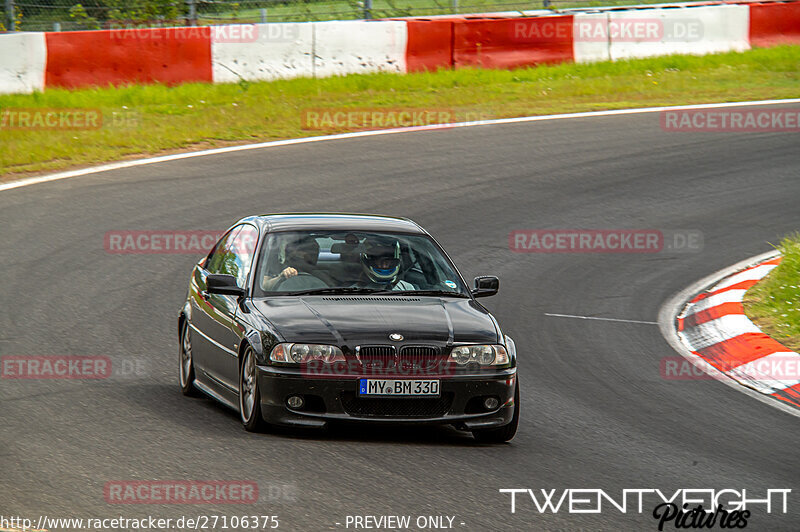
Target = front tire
(249,394)
(504,433)
(186,362)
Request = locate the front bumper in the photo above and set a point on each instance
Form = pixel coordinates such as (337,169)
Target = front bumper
(329,399)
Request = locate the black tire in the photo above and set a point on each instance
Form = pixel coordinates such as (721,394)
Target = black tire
(506,432)
(186,363)
(249,394)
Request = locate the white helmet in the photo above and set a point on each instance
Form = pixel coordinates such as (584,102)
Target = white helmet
(380,258)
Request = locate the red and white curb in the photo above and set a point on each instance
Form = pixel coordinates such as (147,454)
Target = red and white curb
(721,339)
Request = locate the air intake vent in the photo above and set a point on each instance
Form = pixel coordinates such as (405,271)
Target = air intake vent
(375,298)
(420,357)
(377,357)
(417,407)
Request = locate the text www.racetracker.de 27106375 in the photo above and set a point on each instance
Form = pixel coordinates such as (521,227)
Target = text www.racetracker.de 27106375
(198,522)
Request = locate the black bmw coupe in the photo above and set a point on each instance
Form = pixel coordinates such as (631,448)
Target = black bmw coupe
(306,319)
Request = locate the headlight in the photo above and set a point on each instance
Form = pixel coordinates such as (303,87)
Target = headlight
(484,355)
(301,353)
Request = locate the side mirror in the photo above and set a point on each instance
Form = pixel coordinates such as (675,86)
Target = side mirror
(486,285)
(223,284)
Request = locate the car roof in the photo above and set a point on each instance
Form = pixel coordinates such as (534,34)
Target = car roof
(334,222)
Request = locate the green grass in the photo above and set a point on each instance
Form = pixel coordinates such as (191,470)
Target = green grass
(774,303)
(157,119)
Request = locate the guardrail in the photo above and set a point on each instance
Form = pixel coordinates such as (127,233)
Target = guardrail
(262,52)
(71,15)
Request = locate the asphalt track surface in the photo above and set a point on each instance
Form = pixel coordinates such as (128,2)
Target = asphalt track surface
(596,412)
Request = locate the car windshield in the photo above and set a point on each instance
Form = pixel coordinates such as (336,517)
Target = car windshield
(330,262)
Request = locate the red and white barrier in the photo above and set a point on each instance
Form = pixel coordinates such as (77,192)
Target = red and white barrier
(359,47)
(774,23)
(616,35)
(266,52)
(512,42)
(159,55)
(22,62)
(223,54)
(429,45)
(715,328)
(262,52)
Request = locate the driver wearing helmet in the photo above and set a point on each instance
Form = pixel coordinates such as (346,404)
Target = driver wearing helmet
(299,256)
(380,263)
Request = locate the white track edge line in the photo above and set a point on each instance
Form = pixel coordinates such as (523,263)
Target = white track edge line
(673,306)
(303,140)
(599,318)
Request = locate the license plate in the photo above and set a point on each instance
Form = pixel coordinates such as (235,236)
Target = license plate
(399,387)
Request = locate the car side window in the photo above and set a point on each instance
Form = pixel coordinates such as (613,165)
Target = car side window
(217,260)
(241,251)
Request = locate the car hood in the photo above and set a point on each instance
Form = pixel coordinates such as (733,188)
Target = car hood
(359,320)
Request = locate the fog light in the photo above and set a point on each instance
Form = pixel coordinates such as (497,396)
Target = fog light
(295,401)
(490,403)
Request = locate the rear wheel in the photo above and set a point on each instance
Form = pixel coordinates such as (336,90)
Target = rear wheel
(249,394)
(504,433)
(186,372)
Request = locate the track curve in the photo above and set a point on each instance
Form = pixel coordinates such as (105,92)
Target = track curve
(596,413)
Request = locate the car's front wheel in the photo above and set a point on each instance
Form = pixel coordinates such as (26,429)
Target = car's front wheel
(249,394)
(186,371)
(504,433)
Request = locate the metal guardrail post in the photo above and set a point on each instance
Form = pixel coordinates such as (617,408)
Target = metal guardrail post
(192,12)
(367,9)
(263,12)
(10,22)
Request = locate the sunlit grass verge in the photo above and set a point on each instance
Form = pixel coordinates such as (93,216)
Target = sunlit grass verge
(774,303)
(155,119)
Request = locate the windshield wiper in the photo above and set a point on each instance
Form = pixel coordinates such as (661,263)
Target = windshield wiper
(420,293)
(334,290)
